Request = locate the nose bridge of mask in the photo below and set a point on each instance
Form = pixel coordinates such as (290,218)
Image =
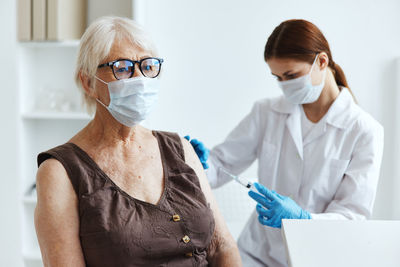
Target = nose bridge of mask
(126,87)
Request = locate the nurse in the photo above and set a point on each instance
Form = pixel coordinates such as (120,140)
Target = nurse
(318,152)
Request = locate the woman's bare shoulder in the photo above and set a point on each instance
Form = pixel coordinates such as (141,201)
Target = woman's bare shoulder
(51,170)
(52,181)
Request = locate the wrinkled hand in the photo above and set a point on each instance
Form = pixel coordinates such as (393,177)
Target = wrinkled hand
(272,207)
(201,151)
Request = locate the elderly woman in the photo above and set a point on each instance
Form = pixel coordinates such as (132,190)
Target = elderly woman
(118,194)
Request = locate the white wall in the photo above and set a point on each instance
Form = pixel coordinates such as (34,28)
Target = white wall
(10,252)
(207,99)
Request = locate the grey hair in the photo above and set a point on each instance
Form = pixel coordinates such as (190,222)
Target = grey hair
(96,43)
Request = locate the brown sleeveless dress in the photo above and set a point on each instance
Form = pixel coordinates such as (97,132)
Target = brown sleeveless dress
(119,230)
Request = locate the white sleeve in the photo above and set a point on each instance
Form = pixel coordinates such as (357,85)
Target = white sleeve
(238,151)
(355,196)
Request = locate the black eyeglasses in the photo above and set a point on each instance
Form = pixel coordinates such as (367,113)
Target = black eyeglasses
(125,68)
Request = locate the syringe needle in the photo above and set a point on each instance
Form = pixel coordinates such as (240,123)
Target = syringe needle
(240,180)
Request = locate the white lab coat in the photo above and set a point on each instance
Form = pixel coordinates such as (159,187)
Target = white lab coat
(333,174)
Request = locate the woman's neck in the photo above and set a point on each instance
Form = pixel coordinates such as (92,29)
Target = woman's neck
(106,130)
(317,110)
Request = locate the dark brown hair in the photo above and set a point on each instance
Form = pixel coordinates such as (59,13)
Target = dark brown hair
(301,40)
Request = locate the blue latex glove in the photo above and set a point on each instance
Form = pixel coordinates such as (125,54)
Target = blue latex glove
(201,151)
(272,207)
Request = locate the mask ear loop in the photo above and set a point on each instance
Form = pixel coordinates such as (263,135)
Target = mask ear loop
(100,80)
(312,66)
(315,60)
(101,103)
(97,98)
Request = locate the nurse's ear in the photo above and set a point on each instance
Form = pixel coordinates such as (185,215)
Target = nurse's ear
(323,61)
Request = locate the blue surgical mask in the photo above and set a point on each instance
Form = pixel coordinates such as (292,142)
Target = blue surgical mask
(131,100)
(301,90)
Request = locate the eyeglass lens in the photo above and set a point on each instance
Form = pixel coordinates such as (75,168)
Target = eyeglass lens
(124,69)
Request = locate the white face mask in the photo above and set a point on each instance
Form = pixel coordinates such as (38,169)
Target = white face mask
(300,90)
(131,100)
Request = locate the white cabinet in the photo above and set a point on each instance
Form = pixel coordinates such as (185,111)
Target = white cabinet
(49,111)
(49,114)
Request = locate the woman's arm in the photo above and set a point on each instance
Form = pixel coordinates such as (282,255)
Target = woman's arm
(56,217)
(223,250)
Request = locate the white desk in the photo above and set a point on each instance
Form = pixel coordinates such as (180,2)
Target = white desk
(312,243)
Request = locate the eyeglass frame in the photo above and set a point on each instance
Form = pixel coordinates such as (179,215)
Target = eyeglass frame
(134,62)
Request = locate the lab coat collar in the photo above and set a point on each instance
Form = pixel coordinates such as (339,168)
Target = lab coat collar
(319,130)
(283,106)
(293,123)
(338,114)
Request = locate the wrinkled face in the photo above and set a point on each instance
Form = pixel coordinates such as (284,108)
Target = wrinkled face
(285,69)
(119,50)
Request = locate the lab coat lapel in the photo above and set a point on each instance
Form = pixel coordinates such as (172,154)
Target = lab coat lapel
(337,116)
(293,123)
(318,131)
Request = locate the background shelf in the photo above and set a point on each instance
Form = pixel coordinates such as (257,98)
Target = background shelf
(50,44)
(32,256)
(39,115)
(41,78)
(30,200)
(33,259)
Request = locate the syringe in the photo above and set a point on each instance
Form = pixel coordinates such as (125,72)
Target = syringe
(249,185)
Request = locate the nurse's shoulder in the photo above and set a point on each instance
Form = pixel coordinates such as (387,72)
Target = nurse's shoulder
(274,104)
(363,126)
(363,121)
(272,110)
